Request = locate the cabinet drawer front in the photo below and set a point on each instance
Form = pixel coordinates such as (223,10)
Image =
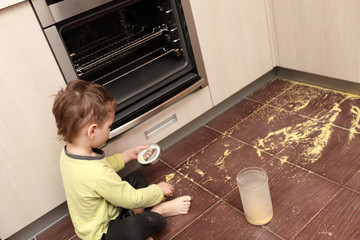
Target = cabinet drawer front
(164,123)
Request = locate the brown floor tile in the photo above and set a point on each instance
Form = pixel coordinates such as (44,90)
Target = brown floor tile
(201,201)
(349,116)
(186,147)
(234,115)
(326,150)
(267,128)
(308,101)
(339,220)
(291,145)
(354,182)
(75,238)
(297,195)
(224,222)
(217,166)
(62,230)
(154,172)
(272,89)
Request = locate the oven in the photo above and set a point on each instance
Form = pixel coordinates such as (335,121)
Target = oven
(139,50)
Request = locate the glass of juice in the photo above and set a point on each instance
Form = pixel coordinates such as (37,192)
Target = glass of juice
(255,195)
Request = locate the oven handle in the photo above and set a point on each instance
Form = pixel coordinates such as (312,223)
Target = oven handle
(127,126)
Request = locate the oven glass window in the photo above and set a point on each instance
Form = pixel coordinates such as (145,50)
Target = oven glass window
(132,49)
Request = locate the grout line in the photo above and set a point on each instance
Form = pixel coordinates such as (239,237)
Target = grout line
(285,90)
(241,141)
(319,175)
(294,165)
(166,164)
(205,189)
(317,120)
(271,231)
(316,214)
(72,237)
(195,183)
(237,124)
(51,225)
(349,188)
(346,96)
(201,149)
(238,210)
(292,112)
(264,105)
(202,214)
(199,185)
(191,180)
(226,133)
(291,163)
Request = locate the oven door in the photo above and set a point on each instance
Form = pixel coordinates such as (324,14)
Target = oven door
(54,11)
(139,50)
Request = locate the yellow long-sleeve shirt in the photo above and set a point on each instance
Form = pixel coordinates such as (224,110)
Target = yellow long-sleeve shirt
(94,190)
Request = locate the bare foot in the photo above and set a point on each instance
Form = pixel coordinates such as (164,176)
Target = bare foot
(177,206)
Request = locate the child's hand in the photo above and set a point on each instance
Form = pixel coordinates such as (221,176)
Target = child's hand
(167,188)
(132,153)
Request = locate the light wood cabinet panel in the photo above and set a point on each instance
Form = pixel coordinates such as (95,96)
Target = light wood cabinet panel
(234,42)
(29,170)
(320,37)
(8,3)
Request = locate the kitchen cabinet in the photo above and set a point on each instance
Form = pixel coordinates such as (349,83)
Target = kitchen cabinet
(233,38)
(7,3)
(29,171)
(163,123)
(235,42)
(320,37)
(31,180)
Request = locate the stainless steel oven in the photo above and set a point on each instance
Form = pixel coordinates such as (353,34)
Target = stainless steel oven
(138,49)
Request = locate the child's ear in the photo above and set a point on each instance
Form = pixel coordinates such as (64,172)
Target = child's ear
(92,130)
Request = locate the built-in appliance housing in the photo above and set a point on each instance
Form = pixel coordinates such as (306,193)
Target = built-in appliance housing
(138,49)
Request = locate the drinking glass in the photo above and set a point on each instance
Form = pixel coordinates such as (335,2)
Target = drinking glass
(255,195)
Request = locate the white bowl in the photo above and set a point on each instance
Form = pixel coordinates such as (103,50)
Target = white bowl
(154,157)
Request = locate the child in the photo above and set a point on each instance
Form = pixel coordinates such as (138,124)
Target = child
(98,198)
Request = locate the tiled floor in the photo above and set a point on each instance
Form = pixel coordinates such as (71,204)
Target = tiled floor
(306,138)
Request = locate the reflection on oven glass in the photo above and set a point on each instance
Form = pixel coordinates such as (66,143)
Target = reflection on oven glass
(126,39)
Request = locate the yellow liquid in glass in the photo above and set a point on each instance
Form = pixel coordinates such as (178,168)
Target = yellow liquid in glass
(259,222)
